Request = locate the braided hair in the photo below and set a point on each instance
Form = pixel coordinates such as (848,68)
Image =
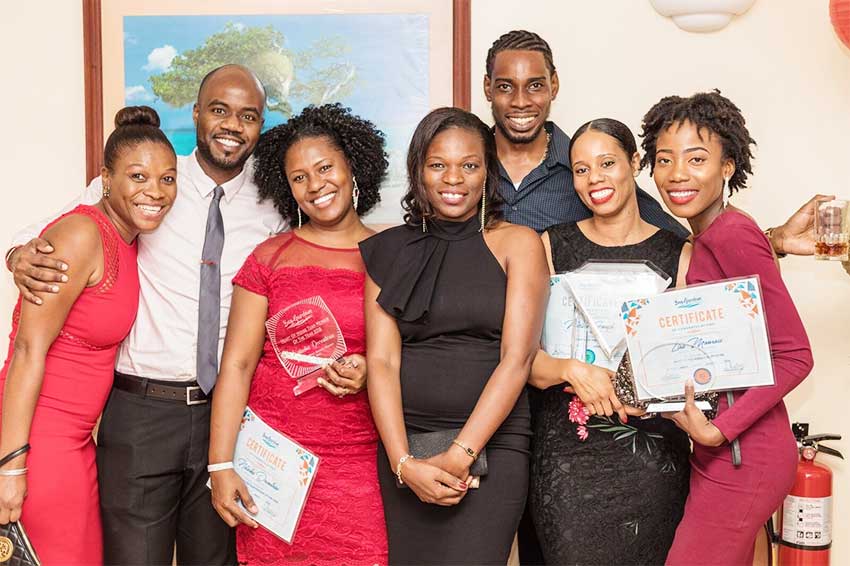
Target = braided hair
(705,110)
(358,139)
(520,40)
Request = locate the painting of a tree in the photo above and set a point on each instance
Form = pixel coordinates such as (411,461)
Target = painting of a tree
(318,74)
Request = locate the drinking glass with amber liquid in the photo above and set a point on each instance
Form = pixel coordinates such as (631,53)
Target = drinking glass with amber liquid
(832,230)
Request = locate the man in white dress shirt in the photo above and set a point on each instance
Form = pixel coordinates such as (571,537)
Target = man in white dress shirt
(154,433)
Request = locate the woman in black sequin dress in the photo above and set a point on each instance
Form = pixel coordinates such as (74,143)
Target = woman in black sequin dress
(606,487)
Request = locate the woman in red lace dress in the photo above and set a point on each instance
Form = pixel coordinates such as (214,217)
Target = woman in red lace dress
(322,169)
(62,353)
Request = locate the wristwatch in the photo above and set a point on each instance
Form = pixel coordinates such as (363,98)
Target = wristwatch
(769,234)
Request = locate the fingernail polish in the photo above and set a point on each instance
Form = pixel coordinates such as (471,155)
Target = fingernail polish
(463,485)
(64,278)
(64,265)
(55,289)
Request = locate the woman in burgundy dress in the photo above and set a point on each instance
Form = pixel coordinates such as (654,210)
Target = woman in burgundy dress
(697,149)
(322,169)
(62,353)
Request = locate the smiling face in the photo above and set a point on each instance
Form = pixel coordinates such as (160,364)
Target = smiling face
(320,179)
(454,173)
(520,91)
(142,187)
(228,118)
(689,170)
(604,176)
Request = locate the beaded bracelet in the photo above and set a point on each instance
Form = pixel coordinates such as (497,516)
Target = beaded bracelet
(401,462)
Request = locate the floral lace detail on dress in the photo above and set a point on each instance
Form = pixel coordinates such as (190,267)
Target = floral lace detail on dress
(343,519)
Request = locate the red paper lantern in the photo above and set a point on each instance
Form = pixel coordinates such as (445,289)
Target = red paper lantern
(839,13)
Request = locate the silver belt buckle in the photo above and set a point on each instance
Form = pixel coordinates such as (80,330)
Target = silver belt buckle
(189,396)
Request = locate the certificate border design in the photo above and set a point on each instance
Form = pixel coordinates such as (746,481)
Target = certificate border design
(748,296)
(631,314)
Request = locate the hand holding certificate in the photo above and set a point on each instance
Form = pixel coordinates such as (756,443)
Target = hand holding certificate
(277,473)
(713,334)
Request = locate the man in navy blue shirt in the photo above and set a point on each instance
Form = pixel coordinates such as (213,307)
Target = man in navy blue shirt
(536,180)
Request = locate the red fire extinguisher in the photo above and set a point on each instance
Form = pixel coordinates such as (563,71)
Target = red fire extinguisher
(806,533)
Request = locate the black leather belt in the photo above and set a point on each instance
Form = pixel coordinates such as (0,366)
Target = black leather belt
(182,392)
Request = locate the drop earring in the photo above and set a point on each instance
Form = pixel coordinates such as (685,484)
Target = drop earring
(483,206)
(725,192)
(106,191)
(299,217)
(355,191)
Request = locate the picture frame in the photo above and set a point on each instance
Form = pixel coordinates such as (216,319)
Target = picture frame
(367,39)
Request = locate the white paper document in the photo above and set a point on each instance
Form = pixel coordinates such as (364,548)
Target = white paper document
(278,473)
(714,334)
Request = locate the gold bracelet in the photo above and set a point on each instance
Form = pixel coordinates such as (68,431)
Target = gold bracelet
(401,462)
(469,451)
(769,234)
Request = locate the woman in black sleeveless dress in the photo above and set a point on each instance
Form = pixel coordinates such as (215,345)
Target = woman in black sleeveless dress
(605,490)
(454,309)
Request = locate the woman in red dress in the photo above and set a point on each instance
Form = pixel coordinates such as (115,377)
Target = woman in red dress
(62,353)
(697,149)
(322,169)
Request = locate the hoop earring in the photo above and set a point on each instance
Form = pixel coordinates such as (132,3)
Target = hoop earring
(725,192)
(299,217)
(107,190)
(355,192)
(483,206)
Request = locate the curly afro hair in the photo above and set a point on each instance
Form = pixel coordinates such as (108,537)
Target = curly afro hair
(358,139)
(705,110)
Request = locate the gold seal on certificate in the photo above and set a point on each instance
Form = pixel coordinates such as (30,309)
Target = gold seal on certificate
(714,334)
(306,337)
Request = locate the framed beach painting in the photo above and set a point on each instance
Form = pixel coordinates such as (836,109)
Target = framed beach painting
(390,61)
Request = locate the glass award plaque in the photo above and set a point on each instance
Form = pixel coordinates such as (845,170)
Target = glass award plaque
(305,337)
(558,326)
(598,289)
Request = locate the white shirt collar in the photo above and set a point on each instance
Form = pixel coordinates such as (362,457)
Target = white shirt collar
(205,185)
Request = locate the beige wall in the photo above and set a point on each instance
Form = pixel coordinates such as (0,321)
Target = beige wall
(780,62)
(41,95)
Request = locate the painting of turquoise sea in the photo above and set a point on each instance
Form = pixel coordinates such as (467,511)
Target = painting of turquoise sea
(376,64)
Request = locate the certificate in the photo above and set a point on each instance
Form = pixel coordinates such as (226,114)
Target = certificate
(306,337)
(278,473)
(557,339)
(713,334)
(583,314)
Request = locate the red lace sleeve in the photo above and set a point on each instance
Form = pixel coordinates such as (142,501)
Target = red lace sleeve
(253,276)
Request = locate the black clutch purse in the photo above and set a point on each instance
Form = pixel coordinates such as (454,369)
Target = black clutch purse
(624,387)
(15,547)
(423,445)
